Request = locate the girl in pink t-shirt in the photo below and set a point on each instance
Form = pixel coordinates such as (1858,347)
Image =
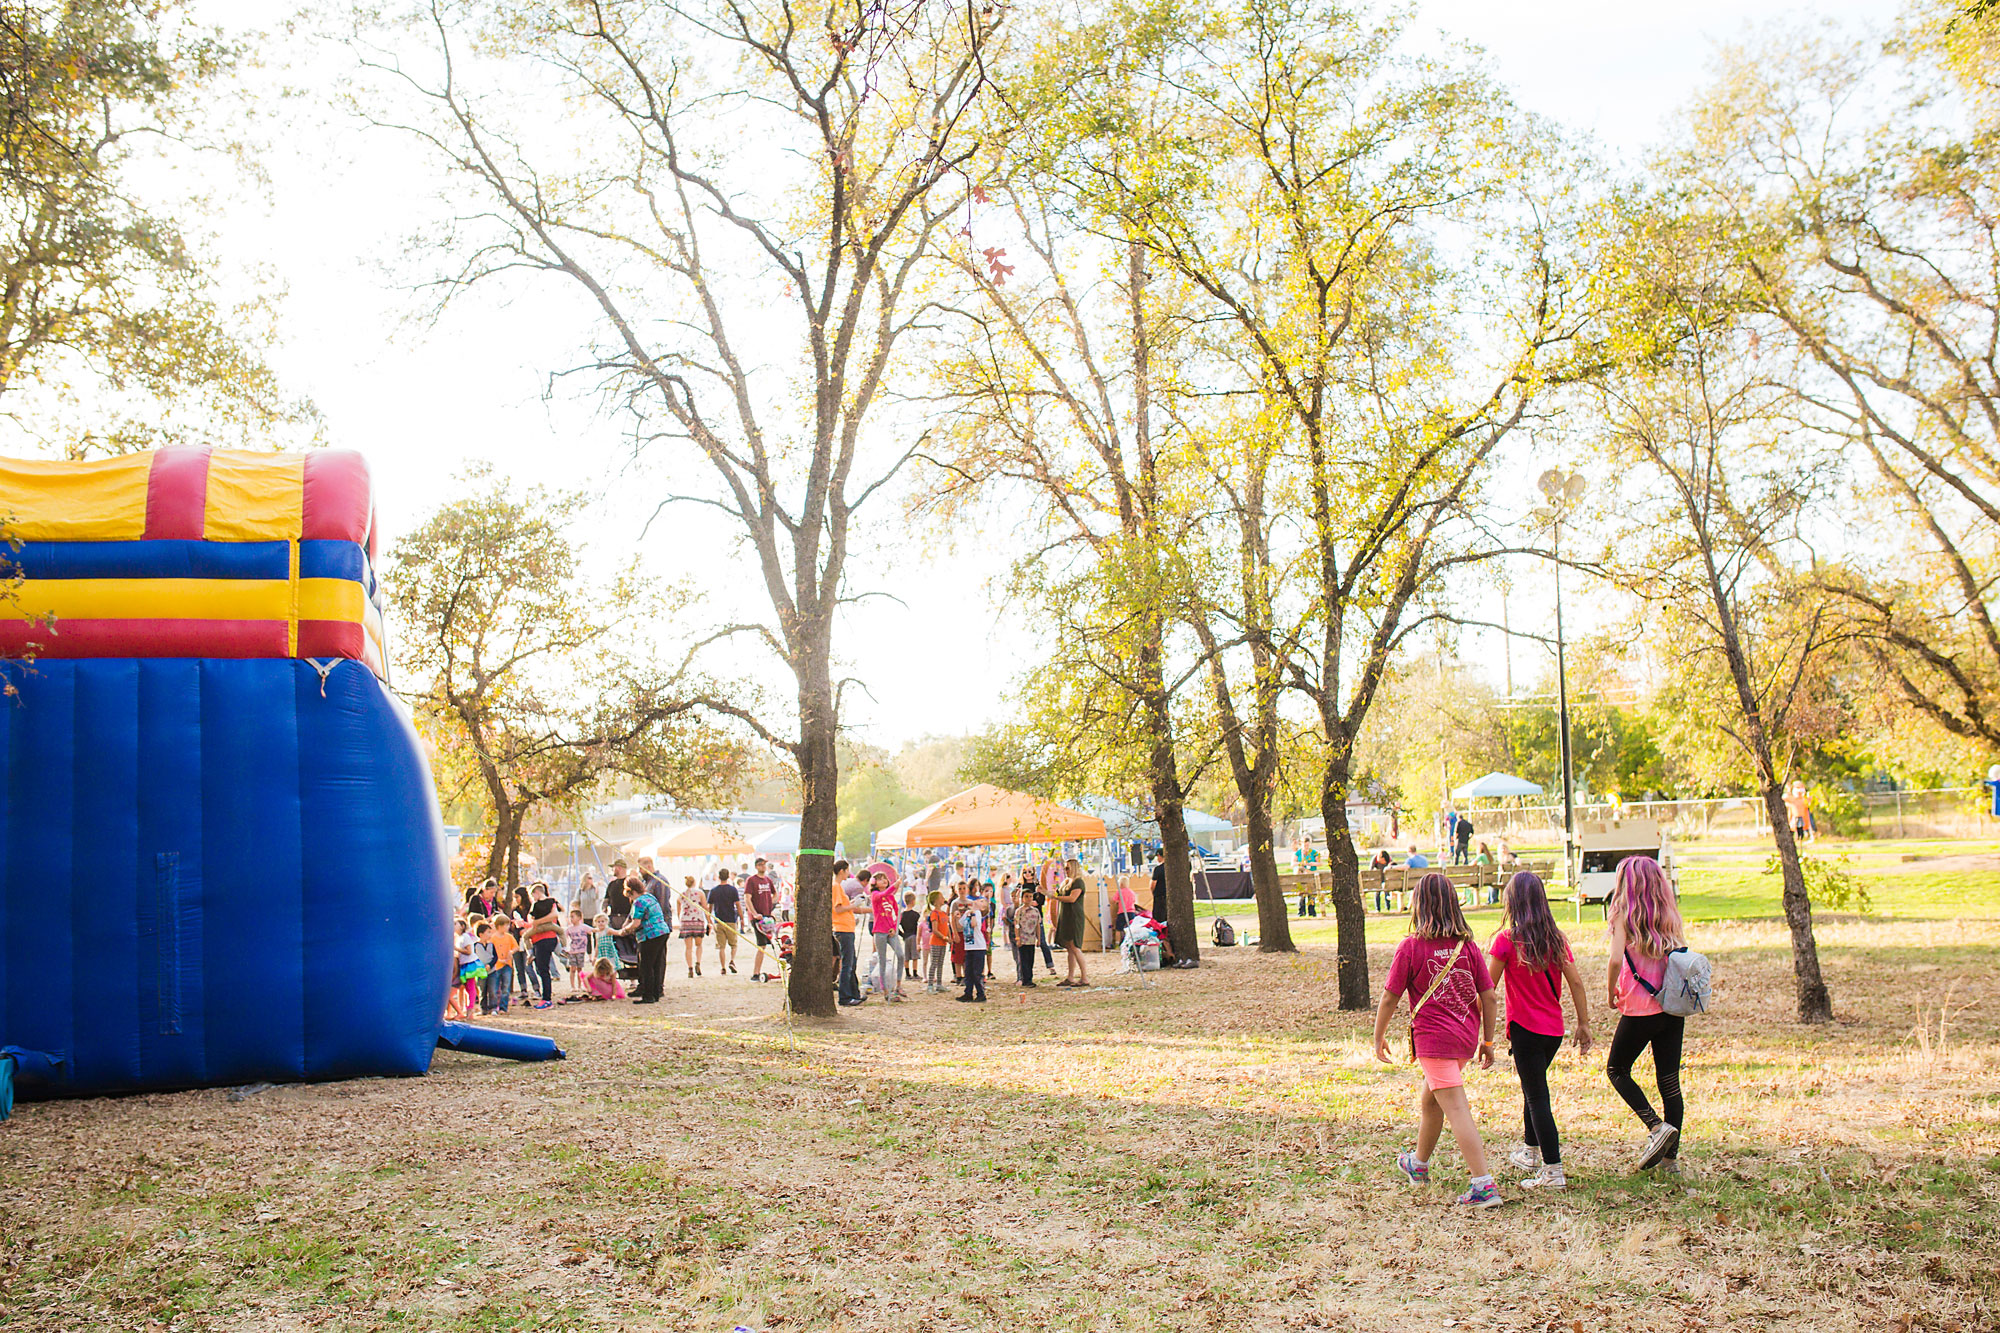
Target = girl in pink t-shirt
(1452,1012)
(1644,926)
(1534,959)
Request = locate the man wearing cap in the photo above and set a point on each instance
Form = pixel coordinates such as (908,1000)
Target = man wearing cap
(760,895)
(615,903)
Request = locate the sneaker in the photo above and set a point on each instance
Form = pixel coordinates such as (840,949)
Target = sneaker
(1526,1156)
(1669,1167)
(1419,1173)
(1663,1140)
(1481,1196)
(1550,1177)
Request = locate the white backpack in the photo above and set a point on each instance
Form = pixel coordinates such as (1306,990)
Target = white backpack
(1684,988)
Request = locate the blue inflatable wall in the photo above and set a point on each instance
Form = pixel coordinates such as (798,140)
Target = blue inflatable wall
(215,872)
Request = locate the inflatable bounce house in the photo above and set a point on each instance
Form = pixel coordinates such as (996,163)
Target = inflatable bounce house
(220,855)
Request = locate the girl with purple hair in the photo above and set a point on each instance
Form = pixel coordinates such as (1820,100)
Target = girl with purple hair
(1645,926)
(1533,958)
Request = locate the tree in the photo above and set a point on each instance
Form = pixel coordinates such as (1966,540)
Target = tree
(1867,218)
(1304,183)
(1055,391)
(104,302)
(1695,420)
(1243,602)
(737,183)
(527,674)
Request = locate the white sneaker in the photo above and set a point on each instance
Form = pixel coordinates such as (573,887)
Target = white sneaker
(1525,1156)
(1550,1177)
(1658,1144)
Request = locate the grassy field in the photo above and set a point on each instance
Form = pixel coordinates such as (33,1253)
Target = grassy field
(1210,1152)
(1725,881)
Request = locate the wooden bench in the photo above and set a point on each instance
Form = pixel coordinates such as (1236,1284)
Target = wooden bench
(1388,889)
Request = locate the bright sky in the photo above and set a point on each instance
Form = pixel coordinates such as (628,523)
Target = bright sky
(423,402)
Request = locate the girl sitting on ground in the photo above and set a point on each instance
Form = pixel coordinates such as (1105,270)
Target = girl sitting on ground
(602,983)
(1644,927)
(1534,960)
(1452,1013)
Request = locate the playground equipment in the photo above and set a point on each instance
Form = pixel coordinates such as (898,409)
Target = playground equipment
(220,855)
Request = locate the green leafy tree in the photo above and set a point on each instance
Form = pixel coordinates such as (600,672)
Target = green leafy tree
(527,674)
(748,197)
(1303,182)
(1864,208)
(1721,484)
(107,306)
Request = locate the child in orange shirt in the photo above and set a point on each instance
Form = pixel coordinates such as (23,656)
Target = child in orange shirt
(504,947)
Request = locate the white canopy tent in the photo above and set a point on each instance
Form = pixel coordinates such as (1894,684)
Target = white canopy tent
(1496,784)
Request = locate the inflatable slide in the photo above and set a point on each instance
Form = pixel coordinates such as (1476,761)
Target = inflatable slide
(220,853)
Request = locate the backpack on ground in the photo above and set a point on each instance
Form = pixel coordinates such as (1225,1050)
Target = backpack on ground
(1684,989)
(1225,934)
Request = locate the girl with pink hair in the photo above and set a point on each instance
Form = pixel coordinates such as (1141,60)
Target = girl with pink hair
(1644,927)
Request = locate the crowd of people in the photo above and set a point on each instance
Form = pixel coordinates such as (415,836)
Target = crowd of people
(944,927)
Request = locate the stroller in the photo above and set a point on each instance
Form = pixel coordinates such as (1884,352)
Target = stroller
(1141,950)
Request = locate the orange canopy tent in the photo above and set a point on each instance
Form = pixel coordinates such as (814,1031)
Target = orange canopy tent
(986,816)
(691,840)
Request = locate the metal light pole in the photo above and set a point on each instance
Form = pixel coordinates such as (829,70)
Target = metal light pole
(1563,490)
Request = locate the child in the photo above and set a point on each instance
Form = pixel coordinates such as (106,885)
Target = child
(938,921)
(1534,957)
(576,944)
(956,936)
(972,928)
(910,920)
(607,943)
(467,972)
(482,949)
(1452,1012)
(1644,927)
(1027,922)
(504,945)
(602,983)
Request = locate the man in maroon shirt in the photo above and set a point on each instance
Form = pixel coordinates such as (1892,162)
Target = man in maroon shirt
(760,892)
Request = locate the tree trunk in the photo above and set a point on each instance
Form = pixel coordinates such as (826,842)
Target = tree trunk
(1274,923)
(1815,1002)
(811,979)
(1350,918)
(502,860)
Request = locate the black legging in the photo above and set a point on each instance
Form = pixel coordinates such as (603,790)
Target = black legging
(545,952)
(1663,1033)
(1533,1053)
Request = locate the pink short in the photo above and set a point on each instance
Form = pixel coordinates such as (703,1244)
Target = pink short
(1440,1073)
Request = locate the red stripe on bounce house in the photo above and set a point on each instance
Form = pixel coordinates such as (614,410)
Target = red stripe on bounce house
(145,638)
(177,495)
(335,638)
(337,501)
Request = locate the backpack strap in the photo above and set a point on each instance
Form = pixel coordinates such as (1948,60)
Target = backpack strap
(1644,984)
(1437,981)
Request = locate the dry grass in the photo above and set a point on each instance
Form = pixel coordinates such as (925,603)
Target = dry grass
(1212,1153)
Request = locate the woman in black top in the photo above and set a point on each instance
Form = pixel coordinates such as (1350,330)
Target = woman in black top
(544,930)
